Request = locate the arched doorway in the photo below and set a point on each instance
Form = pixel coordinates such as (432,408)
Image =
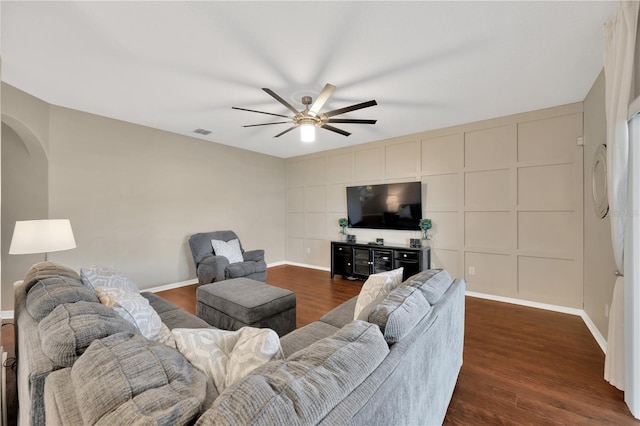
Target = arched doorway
(25,183)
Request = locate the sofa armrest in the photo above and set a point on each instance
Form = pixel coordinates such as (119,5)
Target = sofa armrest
(212,269)
(253,255)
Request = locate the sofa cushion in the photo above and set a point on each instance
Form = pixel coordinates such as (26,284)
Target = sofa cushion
(135,309)
(399,312)
(341,315)
(47,293)
(71,327)
(104,276)
(305,336)
(227,356)
(305,387)
(433,283)
(43,270)
(126,376)
(171,315)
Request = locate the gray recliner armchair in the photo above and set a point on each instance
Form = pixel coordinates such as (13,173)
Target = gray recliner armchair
(211,267)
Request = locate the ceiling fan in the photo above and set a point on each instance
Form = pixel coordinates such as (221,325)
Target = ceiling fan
(311,117)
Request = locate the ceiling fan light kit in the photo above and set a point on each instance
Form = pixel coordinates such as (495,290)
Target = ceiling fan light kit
(311,117)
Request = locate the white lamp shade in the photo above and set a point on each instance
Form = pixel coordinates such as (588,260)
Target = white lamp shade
(42,236)
(307,132)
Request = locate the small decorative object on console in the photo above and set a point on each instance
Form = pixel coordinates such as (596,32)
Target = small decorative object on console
(380,241)
(351,239)
(425,225)
(415,243)
(343,222)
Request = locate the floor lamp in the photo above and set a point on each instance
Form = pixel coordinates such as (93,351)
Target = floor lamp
(42,236)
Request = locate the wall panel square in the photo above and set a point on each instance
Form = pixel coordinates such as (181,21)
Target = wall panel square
(490,148)
(340,168)
(295,250)
(446,259)
(551,139)
(546,187)
(337,199)
(493,274)
(488,230)
(444,229)
(295,199)
(317,252)
(440,192)
(442,153)
(547,280)
(315,198)
(315,225)
(400,159)
(316,171)
(488,189)
(295,173)
(551,232)
(295,225)
(368,165)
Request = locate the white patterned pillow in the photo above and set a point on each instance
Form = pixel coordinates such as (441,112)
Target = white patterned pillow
(396,276)
(136,309)
(229,249)
(375,288)
(227,356)
(104,276)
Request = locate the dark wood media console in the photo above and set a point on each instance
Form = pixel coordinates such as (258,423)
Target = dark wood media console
(361,260)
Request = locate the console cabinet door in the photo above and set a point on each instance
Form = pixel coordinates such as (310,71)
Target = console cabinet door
(362,262)
(342,260)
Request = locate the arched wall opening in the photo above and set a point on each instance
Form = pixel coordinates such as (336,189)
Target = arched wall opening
(25,183)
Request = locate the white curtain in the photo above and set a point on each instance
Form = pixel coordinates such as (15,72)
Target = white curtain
(620,36)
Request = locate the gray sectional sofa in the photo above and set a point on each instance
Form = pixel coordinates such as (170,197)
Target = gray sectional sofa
(79,364)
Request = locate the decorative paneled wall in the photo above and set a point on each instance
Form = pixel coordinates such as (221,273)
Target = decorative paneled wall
(504,195)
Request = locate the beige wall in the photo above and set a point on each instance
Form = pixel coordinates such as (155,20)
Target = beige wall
(134,194)
(505,197)
(599,265)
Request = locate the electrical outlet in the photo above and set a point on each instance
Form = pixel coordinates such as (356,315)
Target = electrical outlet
(606,310)
(308,250)
(472,270)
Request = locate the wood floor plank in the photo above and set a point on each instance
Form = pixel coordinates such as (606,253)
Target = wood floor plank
(522,366)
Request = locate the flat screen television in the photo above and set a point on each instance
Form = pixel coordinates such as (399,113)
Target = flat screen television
(385,206)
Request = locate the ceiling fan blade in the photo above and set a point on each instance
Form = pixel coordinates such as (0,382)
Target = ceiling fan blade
(288,130)
(335,129)
(267,124)
(350,108)
(349,120)
(321,99)
(260,112)
(282,101)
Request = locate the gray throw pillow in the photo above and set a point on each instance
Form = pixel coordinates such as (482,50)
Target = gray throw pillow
(303,388)
(433,283)
(43,270)
(48,293)
(399,312)
(128,379)
(71,327)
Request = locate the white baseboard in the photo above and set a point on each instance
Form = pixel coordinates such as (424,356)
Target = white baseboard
(171,286)
(548,307)
(304,265)
(6,315)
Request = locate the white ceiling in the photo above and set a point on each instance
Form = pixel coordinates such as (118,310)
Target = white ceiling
(179,66)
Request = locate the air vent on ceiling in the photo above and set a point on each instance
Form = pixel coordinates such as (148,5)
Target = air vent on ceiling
(202,131)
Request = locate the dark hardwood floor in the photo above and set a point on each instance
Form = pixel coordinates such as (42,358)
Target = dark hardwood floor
(522,366)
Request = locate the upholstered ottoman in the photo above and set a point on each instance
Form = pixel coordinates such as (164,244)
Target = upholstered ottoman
(239,302)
